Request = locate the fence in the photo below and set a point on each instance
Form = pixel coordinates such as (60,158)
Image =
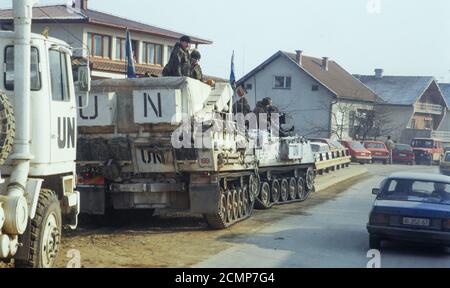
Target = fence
(331,161)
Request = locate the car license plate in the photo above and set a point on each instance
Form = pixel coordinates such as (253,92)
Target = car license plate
(416,222)
(403,155)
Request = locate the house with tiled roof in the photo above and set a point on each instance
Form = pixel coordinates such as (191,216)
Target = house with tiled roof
(416,104)
(102,35)
(320,98)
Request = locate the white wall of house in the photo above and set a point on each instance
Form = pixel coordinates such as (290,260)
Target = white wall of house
(306,109)
(341,117)
(397,119)
(61,31)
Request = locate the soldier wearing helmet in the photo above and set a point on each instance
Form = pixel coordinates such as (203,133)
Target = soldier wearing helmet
(180,61)
(196,70)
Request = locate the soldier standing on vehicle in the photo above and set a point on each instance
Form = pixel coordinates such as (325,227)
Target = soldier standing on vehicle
(390,145)
(180,60)
(196,70)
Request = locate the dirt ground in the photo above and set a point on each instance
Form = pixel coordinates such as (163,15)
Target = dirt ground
(173,242)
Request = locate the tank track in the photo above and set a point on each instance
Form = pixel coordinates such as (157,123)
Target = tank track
(236,205)
(7,128)
(303,189)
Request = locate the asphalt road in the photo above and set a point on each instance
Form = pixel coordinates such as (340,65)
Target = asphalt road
(330,235)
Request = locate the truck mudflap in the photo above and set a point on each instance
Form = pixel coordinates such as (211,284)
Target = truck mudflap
(204,198)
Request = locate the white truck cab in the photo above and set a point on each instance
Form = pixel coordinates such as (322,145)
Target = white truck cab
(38,139)
(54,112)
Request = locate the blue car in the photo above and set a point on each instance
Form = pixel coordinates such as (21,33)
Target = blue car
(413,208)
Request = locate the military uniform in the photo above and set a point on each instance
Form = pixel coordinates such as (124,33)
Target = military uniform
(179,63)
(196,72)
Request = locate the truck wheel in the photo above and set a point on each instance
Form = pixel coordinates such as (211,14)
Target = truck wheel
(45,233)
(374,242)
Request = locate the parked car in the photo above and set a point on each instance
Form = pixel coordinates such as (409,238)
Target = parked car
(333,144)
(427,151)
(320,147)
(413,208)
(403,154)
(357,151)
(379,151)
(445,164)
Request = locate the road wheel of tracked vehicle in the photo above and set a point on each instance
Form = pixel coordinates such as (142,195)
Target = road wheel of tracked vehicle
(7,128)
(254,185)
(45,233)
(276,191)
(301,191)
(241,207)
(263,201)
(223,210)
(248,203)
(310,179)
(284,190)
(220,220)
(230,216)
(292,189)
(235,212)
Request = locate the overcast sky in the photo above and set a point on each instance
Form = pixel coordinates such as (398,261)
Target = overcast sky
(405,37)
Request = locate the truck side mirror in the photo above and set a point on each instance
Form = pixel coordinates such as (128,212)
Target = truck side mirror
(84,78)
(376,191)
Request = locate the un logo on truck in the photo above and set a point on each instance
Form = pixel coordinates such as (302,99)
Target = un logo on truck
(66,132)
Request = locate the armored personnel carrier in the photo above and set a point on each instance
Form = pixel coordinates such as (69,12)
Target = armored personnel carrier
(173,144)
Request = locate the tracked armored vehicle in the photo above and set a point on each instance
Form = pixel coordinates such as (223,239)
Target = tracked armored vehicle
(173,144)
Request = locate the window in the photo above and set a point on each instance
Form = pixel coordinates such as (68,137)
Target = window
(413,123)
(59,76)
(153,54)
(99,45)
(120,49)
(416,191)
(428,123)
(248,87)
(9,72)
(315,88)
(282,82)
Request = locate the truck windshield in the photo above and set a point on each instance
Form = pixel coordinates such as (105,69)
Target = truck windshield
(423,143)
(9,73)
(416,191)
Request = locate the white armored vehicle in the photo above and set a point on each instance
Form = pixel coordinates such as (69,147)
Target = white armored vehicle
(173,144)
(38,123)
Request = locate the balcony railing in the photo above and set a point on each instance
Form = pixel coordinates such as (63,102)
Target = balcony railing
(429,108)
(442,135)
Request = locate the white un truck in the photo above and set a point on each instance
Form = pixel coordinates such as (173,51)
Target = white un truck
(38,134)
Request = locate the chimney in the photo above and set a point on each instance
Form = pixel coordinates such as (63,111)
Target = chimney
(325,63)
(299,57)
(379,73)
(81,4)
